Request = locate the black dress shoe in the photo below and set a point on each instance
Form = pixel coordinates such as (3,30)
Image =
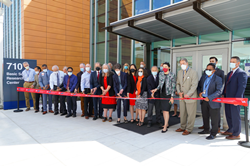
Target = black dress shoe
(63,114)
(204,132)
(74,115)
(56,113)
(210,137)
(149,125)
(95,118)
(68,116)
(101,117)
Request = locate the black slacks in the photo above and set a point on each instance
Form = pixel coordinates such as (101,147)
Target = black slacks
(207,113)
(71,102)
(63,109)
(157,105)
(88,103)
(119,107)
(38,96)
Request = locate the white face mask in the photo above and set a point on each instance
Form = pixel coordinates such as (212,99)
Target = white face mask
(27,67)
(183,67)
(69,73)
(117,72)
(154,73)
(87,68)
(142,66)
(45,70)
(208,72)
(105,70)
(37,72)
(140,74)
(232,65)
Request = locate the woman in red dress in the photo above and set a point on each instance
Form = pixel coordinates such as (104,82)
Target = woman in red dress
(106,83)
(131,90)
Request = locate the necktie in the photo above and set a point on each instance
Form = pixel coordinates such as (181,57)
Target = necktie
(58,83)
(228,81)
(185,72)
(68,83)
(98,74)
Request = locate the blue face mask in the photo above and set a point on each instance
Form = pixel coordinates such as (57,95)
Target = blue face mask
(82,69)
(126,67)
(69,73)
(105,70)
(154,73)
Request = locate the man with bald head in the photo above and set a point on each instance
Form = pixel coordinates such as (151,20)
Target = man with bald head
(152,83)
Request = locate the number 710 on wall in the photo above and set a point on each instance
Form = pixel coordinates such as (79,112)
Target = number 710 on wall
(17,66)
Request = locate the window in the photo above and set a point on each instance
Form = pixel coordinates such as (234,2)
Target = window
(160,3)
(141,6)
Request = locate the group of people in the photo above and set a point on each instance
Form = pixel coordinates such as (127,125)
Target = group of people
(127,87)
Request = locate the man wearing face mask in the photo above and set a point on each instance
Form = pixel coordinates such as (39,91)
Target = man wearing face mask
(153,82)
(187,82)
(143,65)
(37,86)
(95,89)
(44,80)
(78,86)
(235,86)
(69,83)
(28,77)
(209,88)
(85,85)
(56,79)
(219,73)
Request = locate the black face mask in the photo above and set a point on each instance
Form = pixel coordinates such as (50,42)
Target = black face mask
(98,68)
(214,64)
(132,70)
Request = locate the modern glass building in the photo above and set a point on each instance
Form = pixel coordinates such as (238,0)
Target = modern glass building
(156,31)
(12,42)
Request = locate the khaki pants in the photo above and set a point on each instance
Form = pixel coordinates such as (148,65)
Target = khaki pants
(26,95)
(82,104)
(187,115)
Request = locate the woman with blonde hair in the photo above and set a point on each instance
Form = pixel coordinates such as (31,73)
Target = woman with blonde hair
(126,68)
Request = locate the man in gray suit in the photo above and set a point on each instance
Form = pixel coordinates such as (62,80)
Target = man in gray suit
(187,82)
(44,79)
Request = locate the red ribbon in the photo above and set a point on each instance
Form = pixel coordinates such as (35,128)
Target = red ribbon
(237,101)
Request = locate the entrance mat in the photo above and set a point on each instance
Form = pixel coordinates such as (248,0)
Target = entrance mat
(144,129)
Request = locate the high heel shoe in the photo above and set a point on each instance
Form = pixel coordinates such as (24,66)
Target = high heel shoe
(164,131)
(104,119)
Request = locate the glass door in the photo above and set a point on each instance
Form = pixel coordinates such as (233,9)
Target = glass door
(160,56)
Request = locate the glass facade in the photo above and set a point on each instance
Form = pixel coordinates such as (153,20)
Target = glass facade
(12,30)
(160,3)
(141,6)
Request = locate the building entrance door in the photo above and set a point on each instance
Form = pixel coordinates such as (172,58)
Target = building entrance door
(160,55)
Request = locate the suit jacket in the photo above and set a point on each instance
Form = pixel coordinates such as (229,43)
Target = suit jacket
(36,82)
(148,71)
(236,86)
(72,82)
(188,85)
(94,82)
(144,87)
(110,83)
(221,74)
(44,78)
(131,84)
(152,84)
(214,89)
(124,83)
(78,85)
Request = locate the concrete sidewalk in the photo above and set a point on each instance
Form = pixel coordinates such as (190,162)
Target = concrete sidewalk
(29,138)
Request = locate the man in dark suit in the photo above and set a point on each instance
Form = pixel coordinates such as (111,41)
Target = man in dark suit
(120,80)
(210,87)
(221,74)
(143,65)
(153,82)
(78,86)
(235,86)
(95,89)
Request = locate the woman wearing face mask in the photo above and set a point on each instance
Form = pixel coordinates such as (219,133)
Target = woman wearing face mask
(131,90)
(167,85)
(141,93)
(37,86)
(106,85)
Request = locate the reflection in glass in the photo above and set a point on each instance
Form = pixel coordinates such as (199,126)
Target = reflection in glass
(241,34)
(112,11)
(177,1)
(190,62)
(160,3)
(206,61)
(101,7)
(214,37)
(141,6)
(126,8)
(184,41)
(242,50)
(125,50)
(161,56)
(139,53)
(112,51)
(100,26)
(100,52)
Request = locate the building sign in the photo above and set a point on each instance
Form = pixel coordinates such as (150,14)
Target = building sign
(12,78)
(247,69)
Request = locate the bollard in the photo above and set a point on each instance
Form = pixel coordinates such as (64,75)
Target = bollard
(245,143)
(18,110)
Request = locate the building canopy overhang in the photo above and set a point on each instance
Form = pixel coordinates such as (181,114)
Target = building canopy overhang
(185,19)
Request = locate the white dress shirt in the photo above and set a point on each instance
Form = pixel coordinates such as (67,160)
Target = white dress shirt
(85,80)
(53,79)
